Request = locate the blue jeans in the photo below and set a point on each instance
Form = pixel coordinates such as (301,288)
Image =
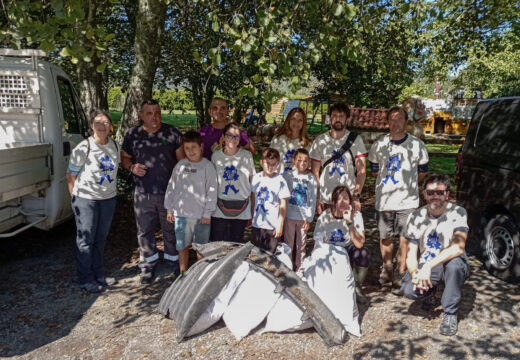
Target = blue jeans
(93,219)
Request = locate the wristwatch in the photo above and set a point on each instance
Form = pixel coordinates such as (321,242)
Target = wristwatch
(357,196)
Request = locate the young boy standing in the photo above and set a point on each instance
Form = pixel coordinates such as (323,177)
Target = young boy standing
(268,202)
(191,197)
(300,207)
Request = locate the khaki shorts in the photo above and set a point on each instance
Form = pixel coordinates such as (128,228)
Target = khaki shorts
(391,223)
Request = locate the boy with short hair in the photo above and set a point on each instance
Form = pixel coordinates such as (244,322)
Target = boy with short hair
(191,197)
(300,207)
(268,202)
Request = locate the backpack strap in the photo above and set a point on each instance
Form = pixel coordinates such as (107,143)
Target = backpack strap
(346,146)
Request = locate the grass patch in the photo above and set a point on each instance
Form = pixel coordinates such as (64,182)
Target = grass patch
(443,148)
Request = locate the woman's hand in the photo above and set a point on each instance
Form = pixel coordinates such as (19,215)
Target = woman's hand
(347,215)
(205,220)
(170,218)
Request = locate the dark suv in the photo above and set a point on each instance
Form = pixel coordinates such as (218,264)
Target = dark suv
(488,184)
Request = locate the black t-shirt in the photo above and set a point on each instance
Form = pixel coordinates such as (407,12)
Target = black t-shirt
(157,152)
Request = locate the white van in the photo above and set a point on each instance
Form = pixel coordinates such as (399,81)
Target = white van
(41,121)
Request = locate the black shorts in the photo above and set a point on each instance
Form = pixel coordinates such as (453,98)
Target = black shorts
(264,239)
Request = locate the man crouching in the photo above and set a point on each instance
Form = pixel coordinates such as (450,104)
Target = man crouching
(438,231)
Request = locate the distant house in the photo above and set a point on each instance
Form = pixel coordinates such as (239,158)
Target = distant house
(448,116)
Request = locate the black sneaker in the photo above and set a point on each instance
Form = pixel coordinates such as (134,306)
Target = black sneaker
(106,281)
(449,325)
(91,287)
(147,277)
(430,302)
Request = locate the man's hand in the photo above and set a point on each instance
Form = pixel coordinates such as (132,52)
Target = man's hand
(138,169)
(306,225)
(421,279)
(205,220)
(170,218)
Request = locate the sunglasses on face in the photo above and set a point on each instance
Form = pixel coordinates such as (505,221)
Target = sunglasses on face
(232,137)
(436,192)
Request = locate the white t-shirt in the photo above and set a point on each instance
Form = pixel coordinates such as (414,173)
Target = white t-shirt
(97,173)
(397,185)
(335,231)
(286,148)
(192,189)
(340,171)
(434,234)
(233,176)
(268,193)
(302,201)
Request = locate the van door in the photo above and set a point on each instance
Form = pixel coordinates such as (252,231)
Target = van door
(74,130)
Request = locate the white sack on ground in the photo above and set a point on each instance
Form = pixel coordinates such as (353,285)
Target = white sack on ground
(285,316)
(253,300)
(216,309)
(328,273)
(283,253)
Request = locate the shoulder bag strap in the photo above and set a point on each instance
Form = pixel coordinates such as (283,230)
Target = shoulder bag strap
(346,146)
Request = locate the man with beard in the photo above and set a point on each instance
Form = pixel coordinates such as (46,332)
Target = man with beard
(438,232)
(399,161)
(343,157)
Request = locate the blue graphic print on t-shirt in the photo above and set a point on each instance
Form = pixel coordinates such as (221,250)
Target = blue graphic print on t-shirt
(262,196)
(433,245)
(393,166)
(288,159)
(336,163)
(299,195)
(230,174)
(337,236)
(106,165)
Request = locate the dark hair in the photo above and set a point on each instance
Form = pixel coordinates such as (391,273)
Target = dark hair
(270,153)
(339,107)
(94,113)
(438,178)
(300,151)
(149,102)
(231,125)
(396,109)
(285,129)
(192,136)
(336,192)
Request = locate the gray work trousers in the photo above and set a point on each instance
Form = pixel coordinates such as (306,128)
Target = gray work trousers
(454,272)
(149,213)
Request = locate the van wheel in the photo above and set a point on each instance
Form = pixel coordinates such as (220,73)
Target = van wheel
(501,248)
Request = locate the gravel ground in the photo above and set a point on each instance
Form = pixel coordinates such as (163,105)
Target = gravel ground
(44,314)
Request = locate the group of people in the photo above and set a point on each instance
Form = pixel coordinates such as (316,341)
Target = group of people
(202,186)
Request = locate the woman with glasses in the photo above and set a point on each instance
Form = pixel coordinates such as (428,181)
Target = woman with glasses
(235,169)
(91,178)
(290,136)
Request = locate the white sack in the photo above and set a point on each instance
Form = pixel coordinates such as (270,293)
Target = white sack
(285,316)
(253,300)
(216,309)
(328,273)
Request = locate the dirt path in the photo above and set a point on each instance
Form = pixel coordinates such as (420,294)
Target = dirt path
(44,315)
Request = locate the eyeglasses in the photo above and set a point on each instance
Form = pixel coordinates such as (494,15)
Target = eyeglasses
(438,192)
(97,123)
(232,137)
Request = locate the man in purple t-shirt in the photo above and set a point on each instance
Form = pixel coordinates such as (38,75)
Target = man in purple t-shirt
(212,134)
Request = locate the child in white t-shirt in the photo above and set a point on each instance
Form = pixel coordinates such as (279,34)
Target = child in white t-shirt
(269,193)
(191,197)
(300,207)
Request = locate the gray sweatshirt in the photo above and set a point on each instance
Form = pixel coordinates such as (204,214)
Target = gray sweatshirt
(192,190)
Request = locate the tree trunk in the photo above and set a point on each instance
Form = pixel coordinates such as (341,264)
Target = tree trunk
(92,85)
(202,100)
(150,19)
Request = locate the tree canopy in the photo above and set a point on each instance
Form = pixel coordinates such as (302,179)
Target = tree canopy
(371,51)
